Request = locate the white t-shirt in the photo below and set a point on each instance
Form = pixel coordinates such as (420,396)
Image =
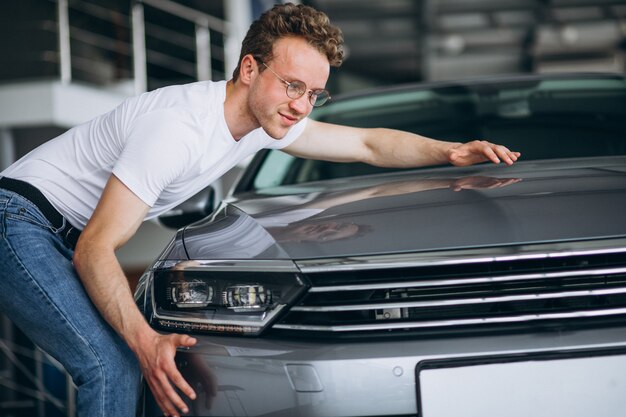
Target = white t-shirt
(165,146)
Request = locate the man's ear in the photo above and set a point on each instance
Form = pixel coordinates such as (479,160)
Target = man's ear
(248,69)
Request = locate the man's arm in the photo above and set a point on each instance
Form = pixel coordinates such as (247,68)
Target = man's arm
(116,218)
(391,148)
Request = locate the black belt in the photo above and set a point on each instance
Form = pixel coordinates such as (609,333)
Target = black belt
(69,233)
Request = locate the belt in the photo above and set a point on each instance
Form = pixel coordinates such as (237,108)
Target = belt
(68,232)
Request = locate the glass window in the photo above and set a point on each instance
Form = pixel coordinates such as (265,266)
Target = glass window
(273,170)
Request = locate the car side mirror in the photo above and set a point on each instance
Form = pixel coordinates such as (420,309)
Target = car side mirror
(191,210)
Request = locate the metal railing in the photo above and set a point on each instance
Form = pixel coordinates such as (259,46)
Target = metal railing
(198,39)
(155,43)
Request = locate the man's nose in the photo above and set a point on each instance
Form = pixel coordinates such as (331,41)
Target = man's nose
(301,105)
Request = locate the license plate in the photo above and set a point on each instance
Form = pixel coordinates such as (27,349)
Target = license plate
(567,385)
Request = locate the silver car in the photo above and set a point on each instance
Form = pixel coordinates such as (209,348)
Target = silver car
(323,289)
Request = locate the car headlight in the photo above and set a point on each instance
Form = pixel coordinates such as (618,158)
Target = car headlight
(230,297)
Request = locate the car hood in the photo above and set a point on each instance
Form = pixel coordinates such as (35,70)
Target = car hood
(423,210)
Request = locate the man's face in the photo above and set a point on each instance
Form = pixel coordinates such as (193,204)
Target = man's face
(293,60)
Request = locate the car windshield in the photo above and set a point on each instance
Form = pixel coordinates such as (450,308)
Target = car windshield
(553,118)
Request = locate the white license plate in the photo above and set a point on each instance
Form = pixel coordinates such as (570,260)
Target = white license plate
(581,386)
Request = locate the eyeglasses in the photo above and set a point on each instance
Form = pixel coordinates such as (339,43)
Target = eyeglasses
(297,89)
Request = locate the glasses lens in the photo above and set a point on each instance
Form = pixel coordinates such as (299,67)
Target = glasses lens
(296,89)
(319,97)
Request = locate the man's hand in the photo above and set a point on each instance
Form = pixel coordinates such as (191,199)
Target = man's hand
(156,357)
(478,151)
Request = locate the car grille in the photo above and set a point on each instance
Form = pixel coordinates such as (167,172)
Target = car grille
(568,287)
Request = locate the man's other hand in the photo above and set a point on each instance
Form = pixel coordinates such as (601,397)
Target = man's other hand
(478,151)
(156,357)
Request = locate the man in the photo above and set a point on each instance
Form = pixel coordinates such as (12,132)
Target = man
(146,156)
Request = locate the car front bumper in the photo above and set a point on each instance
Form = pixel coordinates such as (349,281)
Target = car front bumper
(492,374)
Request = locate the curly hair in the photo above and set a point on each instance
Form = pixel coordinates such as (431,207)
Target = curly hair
(289,19)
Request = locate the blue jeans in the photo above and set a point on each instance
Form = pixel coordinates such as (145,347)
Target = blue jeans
(42,294)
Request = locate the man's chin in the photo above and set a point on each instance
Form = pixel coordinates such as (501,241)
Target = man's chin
(276,134)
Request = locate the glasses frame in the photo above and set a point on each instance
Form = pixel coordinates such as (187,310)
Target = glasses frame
(298,89)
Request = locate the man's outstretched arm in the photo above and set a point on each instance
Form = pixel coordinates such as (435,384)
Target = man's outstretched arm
(391,148)
(116,218)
